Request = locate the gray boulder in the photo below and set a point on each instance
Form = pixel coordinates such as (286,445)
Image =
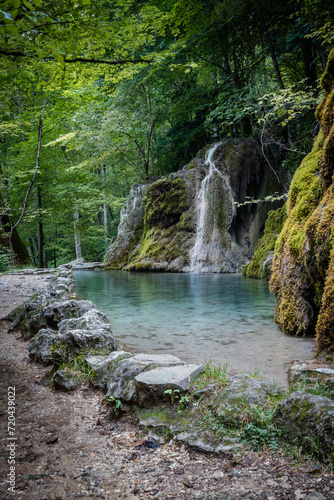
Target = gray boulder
(310,419)
(153,383)
(21,315)
(48,346)
(121,382)
(103,364)
(90,320)
(51,315)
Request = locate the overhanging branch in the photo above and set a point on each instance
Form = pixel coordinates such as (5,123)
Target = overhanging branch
(117,62)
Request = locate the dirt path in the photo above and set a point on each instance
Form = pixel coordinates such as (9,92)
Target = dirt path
(69,448)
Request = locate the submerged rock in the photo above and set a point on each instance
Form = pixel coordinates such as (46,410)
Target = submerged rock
(310,419)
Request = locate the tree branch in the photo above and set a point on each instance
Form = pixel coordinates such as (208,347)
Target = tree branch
(18,53)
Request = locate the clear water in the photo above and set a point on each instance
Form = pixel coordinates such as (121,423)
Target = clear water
(227,318)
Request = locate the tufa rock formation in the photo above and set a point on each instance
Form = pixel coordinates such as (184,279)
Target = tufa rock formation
(189,221)
(303,267)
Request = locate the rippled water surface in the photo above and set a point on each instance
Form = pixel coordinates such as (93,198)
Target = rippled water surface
(223,317)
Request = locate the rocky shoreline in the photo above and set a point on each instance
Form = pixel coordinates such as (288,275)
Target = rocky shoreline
(64,331)
(66,437)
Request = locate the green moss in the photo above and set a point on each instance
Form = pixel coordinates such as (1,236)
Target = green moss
(303,270)
(192,164)
(266,245)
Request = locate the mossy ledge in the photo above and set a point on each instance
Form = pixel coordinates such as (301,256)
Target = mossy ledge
(260,266)
(303,267)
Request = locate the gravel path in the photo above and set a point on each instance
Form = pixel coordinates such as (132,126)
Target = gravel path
(68,447)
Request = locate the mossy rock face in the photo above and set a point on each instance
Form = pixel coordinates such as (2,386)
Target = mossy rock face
(165,201)
(309,419)
(303,267)
(260,267)
(158,228)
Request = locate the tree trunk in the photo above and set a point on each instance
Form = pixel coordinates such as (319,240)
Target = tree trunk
(77,238)
(40,230)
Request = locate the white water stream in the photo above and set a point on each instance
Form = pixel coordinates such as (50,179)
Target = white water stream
(207,251)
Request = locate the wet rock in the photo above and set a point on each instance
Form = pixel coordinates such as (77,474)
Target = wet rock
(102,364)
(122,384)
(48,346)
(130,217)
(153,383)
(310,417)
(65,381)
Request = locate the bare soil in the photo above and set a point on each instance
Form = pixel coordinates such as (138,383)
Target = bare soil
(68,447)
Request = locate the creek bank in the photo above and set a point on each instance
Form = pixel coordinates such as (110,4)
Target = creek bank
(210,404)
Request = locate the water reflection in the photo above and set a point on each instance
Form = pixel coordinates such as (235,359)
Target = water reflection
(223,317)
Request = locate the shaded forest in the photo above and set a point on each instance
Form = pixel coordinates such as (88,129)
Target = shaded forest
(98,95)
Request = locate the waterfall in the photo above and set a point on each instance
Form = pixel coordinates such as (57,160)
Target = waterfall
(215,213)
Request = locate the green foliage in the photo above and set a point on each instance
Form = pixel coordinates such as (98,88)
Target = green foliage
(4,258)
(128,90)
(115,403)
(217,374)
(174,394)
(77,366)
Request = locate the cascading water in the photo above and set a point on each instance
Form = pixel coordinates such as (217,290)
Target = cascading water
(216,210)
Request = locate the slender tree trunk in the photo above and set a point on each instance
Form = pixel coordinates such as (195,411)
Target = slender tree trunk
(40,230)
(77,238)
(54,249)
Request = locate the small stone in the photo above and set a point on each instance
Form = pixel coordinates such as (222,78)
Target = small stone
(218,474)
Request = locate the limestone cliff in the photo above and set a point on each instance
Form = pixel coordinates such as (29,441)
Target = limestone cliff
(303,268)
(163,228)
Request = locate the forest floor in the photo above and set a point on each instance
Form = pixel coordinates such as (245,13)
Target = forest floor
(68,447)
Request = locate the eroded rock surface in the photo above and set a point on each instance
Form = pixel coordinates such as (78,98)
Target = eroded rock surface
(310,419)
(158,232)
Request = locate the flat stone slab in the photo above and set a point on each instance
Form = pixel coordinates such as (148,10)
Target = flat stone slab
(158,359)
(155,382)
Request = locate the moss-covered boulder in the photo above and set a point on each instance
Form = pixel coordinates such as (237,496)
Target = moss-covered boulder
(303,267)
(310,419)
